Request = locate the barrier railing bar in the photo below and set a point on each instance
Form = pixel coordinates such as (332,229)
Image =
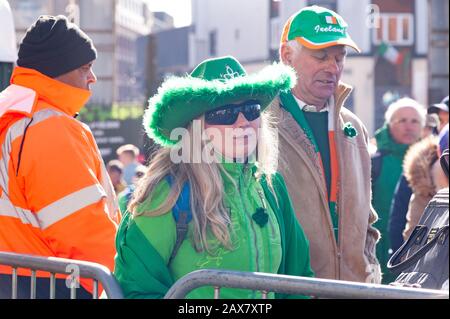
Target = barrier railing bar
(33,284)
(14,284)
(95,290)
(52,286)
(296,285)
(58,265)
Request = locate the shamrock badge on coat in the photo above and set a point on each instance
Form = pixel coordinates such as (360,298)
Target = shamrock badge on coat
(349,130)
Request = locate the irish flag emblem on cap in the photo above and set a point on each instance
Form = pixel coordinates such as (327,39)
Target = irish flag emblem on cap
(330,20)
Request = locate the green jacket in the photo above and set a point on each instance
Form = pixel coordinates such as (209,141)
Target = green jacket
(144,244)
(383,191)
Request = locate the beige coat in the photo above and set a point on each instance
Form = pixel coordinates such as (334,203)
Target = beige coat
(425,177)
(354,258)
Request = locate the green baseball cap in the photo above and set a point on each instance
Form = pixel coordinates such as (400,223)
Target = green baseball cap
(316,28)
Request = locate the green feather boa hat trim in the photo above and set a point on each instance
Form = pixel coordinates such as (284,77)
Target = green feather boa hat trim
(213,83)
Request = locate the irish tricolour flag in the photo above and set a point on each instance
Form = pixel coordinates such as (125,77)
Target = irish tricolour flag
(330,20)
(390,53)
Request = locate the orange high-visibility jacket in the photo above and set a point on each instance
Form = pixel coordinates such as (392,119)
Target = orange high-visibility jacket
(56,198)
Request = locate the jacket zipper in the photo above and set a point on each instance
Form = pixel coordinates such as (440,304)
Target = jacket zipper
(252,226)
(261,197)
(255,239)
(272,227)
(338,205)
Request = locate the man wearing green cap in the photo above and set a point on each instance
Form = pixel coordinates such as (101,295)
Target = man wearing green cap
(323,146)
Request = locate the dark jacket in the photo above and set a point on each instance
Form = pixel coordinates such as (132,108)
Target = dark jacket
(397,215)
(383,188)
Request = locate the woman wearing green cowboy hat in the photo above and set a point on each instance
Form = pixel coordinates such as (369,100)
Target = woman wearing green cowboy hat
(236,207)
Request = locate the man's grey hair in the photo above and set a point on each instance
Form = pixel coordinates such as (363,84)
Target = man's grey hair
(294,44)
(404,103)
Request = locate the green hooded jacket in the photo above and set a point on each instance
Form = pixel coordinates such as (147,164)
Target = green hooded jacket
(383,191)
(144,244)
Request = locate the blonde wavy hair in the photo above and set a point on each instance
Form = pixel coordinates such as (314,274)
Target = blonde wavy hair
(209,215)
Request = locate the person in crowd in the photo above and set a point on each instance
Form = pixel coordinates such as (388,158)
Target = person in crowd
(223,186)
(56,199)
(443,139)
(404,121)
(324,149)
(128,155)
(115,172)
(125,196)
(432,125)
(403,192)
(425,177)
(441,109)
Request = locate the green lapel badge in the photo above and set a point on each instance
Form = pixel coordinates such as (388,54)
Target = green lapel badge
(349,130)
(260,216)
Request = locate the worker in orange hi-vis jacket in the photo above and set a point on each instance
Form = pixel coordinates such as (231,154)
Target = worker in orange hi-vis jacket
(56,198)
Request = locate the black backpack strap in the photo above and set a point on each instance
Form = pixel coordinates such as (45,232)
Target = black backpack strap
(182,214)
(182,228)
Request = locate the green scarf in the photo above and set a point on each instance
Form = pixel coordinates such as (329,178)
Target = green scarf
(290,104)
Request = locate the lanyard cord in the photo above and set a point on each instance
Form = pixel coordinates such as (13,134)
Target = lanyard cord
(21,146)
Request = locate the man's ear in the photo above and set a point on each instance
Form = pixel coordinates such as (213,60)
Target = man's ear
(286,54)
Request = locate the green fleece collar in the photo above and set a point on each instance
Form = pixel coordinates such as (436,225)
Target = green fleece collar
(235,170)
(385,142)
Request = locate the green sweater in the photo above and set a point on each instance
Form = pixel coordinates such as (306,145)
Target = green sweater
(318,122)
(144,244)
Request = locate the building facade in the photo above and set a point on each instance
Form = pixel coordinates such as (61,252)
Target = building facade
(114,26)
(438,43)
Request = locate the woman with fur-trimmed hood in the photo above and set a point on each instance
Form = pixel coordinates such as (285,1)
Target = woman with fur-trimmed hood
(425,177)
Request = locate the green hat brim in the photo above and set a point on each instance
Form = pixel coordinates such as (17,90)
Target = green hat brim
(182,99)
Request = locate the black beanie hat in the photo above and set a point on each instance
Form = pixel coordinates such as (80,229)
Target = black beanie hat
(55,46)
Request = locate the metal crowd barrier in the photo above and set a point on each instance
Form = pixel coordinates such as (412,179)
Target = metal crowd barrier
(322,288)
(264,282)
(54,265)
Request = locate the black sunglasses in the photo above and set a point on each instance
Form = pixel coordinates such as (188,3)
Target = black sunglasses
(228,114)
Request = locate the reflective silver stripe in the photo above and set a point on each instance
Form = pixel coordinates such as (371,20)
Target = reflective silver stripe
(112,204)
(6,150)
(14,132)
(56,211)
(26,216)
(69,204)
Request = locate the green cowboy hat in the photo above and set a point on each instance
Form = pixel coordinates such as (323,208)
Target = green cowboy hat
(213,83)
